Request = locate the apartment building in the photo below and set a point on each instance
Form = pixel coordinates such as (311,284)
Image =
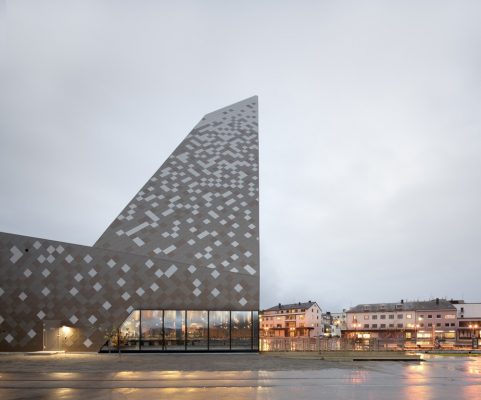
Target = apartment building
(468,317)
(424,323)
(291,320)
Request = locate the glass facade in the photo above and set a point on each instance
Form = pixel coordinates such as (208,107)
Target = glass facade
(189,330)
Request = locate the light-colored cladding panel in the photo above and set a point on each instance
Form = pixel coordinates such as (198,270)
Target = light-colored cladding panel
(202,204)
(188,240)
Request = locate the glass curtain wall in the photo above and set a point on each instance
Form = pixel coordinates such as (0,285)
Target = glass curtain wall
(219,330)
(189,330)
(152,326)
(129,332)
(241,330)
(197,330)
(174,330)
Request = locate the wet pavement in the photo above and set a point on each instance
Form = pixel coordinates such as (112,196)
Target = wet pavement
(237,377)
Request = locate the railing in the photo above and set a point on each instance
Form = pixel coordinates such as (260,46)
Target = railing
(329,344)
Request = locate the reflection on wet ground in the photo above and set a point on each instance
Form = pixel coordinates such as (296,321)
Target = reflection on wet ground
(436,378)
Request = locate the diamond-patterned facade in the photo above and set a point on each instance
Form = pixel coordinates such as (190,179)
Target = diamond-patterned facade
(187,240)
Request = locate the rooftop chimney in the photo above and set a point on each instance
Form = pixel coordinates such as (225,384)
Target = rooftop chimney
(402,301)
(437,300)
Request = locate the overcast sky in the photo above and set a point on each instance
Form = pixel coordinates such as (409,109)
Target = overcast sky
(370,130)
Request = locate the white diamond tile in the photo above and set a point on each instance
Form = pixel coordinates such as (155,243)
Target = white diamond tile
(121,282)
(106,305)
(197,283)
(45,291)
(41,315)
(92,272)
(171,271)
(73,319)
(78,277)
(196,292)
(215,292)
(250,270)
(191,269)
(45,272)
(37,245)
(238,288)
(242,302)
(50,259)
(140,292)
(22,296)
(111,263)
(149,263)
(126,296)
(97,286)
(88,258)
(41,258)
(31,333)
(9,338)
(73,291)
(27,272)
(87,343)
(69,258)
(92,319)
(154,287)
(125,268)
(159,273)
(215,273)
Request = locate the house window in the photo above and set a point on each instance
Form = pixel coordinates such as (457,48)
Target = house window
(391,325)
(374,317)
(383,316)
(430,316)
(409,316)
(366,325)
(399,316)
(399,325)
(366,317)
(383,325)
(374,325)
(446,324)
(430,325)
(438,316)
(438,324)
(391,316)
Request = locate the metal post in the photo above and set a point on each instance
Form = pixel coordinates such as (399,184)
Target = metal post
(140,329)
(208,330)
(230,330)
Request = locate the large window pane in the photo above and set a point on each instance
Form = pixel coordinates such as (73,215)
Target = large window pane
(129,332)
(241,330)
(151,329)
(196,330)
(174,328)
(219,330)
(255,330)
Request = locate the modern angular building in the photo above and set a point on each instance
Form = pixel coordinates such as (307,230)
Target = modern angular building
(178,269)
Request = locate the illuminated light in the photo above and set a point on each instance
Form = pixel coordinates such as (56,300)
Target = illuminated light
(66,330)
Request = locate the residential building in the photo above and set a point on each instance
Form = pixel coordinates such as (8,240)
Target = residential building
(424,323)
(177,270)
(338,323)
(468,322)
(291,320)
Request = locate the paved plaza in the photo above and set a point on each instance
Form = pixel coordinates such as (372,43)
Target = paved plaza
(233,376)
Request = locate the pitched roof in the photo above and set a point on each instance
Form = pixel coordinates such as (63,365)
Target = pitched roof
(280,306)
(437,304)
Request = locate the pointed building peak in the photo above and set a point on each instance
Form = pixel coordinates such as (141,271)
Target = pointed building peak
(249,102)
